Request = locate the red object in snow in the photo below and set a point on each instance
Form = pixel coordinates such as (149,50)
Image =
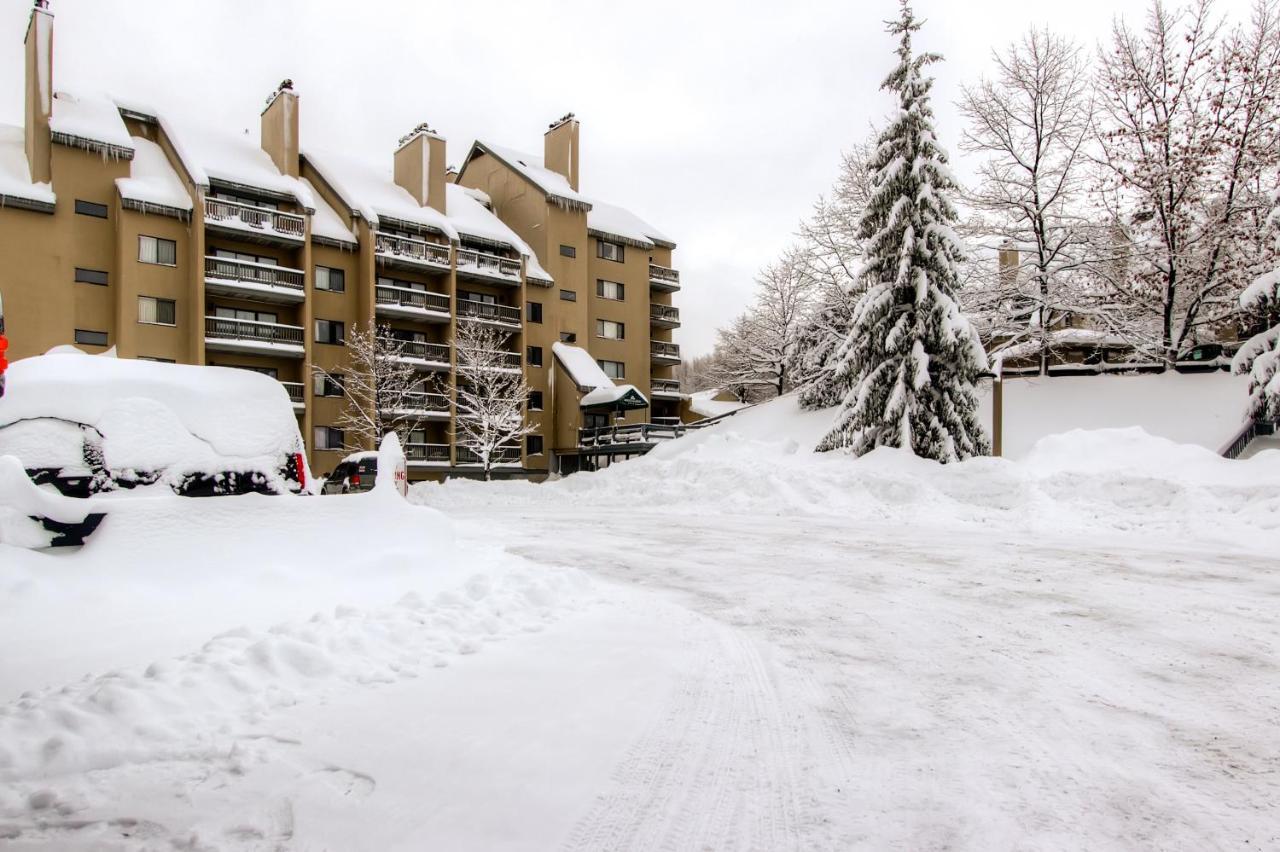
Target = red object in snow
(300,463)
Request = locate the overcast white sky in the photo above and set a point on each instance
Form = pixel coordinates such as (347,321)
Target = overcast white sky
(719,122)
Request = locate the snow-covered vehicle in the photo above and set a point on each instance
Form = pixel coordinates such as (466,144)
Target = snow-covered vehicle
(354,474)
(89,424)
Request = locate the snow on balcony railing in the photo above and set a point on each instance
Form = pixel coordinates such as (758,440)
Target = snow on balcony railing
(664,313)
(500,455)
(662,349)
(491,313)
(245,271)
(424,402)
(664,278)
(406,297)
(431,453)
(260,332)
(221,212)
(664,386)
(492,265)
(295,391)
(629,433)
(435,352)
(408,248)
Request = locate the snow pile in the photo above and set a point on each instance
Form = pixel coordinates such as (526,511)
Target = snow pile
(152,179)
(90,116)
(15,172)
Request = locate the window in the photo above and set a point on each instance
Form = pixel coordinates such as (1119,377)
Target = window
(610,330)
(533,311)
(609,251)
(483,298)
(568,251)
(333,280)
(222,195)
(329,438)
(152,311)
(156,250)
(91,338)
(265,260)
(613,369)
(595,421)
(535,356)
(328,385)
(568,337)
(91,208)
(534,445)
(609,290)
(242,314)
(331,332)
(568,295)
(91,276)
(535,400)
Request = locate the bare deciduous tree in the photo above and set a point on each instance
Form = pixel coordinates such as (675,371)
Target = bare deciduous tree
(491,394)
(379,388)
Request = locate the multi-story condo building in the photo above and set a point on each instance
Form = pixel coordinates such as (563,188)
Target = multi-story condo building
(123,229)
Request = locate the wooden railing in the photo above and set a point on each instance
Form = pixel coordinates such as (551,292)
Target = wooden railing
(1234,448)
(664,313)
(664,386)
(663,276)
(416,401)
(295,391)
(229,269)
(435,453)
(488,264)
(500,455)
(630,433)
(262,332)
(406,297)
(662,349)
(220,211)
(408,248)
(489,312)
(437,352)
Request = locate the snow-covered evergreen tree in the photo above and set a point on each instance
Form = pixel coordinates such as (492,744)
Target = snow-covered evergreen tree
(912,355)
(1260,356)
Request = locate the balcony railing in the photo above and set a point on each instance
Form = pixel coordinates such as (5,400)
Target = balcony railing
(423,403)
(220,212)
(432,453)
(486,360)
(434,352)
(664,386)
(491,265)
(295,391)
(662,278)
(504,314)
(662,349)
(500,455)
(248,272)
(408,248)
(630,433)
(664,315)
(250,330)
(406,297)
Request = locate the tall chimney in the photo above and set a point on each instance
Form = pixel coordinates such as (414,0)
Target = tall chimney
(1008,263)
(560,149)
(39,103)
(420,167)
(280,129)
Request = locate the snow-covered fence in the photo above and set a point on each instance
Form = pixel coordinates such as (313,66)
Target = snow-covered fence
(664,278)
(500,455)
(488,264)
(220,211)
(406,297)
(431,453)
(664,386)
(664,314)
(228,269)
(472,309)
(663,350)
(409,248)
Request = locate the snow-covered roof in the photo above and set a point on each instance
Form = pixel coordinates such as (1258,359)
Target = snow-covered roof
(15,172)
(608,220)
(235,158)
(1063,337)
(326,222)
(472,218)
(371,191)
(152,179)
(90,117)
(705,403)
(586,373)
(554,185)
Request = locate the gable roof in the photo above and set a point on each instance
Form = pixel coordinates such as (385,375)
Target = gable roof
(551,184)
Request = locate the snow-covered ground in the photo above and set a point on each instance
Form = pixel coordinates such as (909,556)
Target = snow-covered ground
(729,644)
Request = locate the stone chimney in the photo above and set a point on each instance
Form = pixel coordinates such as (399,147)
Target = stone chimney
(560,149)
(420,167)
(280,129)
(39,101)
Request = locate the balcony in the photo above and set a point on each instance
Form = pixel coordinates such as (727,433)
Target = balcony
(499,360)
(661,352)
(263,338)
(427,356)
(664,279)
(258,224)
(424,405)
(426,455)
(630,434)
(664,388)
(491,267)
(295,391)
(664,316)
(410,252)
(261,282)
(485,312)
(411,304)
(502,456)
